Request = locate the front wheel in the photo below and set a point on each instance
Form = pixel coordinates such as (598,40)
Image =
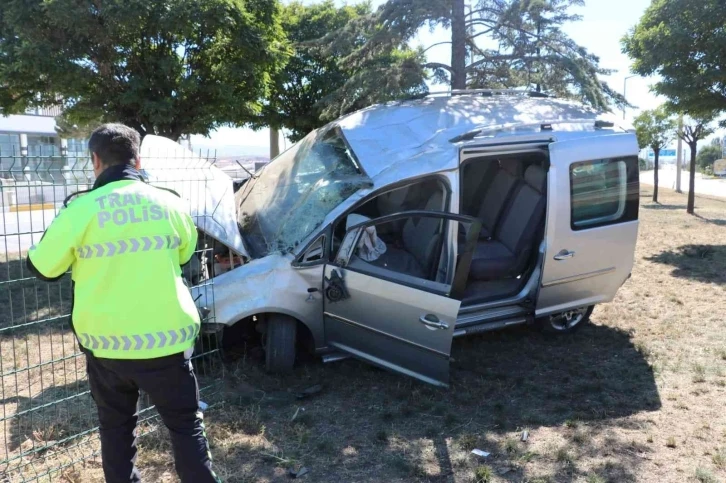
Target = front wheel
(565,322)
(280,339)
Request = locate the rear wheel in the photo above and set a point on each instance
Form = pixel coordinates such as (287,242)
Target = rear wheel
(565,322)
(280,339)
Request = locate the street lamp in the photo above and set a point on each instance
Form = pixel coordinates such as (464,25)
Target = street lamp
(625,90)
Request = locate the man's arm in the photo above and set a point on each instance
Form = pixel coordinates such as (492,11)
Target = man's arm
(56,251)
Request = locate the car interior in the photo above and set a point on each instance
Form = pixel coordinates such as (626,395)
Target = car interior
(507,193)
(412,245)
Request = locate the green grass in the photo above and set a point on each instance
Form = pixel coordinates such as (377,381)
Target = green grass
(483,474)
(705,476)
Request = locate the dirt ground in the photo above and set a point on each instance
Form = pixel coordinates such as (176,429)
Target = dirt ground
(637,395)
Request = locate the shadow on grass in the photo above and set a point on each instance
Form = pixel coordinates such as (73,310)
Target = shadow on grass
(43,432)
(713,221)
(29,305)
(658,206)
(368,423)
(703,263)
(55,419)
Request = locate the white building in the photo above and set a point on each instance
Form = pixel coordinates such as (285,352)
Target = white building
(29,143)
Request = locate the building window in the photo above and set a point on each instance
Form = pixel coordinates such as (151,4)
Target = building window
(77,147)
(604,192)
(43,146)
(9,149)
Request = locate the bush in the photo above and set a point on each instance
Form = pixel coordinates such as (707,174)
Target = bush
(707,156)
(643,164)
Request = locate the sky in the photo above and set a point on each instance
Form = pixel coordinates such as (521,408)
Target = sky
(603,24)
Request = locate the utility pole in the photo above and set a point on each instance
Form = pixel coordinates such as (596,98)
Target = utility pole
(625,91)
(679,155)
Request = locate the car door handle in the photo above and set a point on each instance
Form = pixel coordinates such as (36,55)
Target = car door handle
(432,321)
(564,255)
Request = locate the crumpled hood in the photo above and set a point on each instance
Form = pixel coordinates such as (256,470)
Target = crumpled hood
(208,191)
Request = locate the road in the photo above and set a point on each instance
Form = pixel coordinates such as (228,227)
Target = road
(667,179)
(18,231)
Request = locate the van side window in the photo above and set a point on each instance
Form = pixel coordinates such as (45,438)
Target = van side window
(604,192)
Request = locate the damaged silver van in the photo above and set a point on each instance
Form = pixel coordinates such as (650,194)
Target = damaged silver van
(392,230)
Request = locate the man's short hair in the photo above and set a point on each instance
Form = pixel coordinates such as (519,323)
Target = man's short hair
(115,144)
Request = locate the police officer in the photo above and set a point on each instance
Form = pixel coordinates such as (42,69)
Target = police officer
(134,318)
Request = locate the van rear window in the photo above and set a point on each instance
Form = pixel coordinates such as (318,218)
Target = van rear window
(604,192)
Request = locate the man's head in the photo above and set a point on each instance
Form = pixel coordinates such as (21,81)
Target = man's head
(112,144)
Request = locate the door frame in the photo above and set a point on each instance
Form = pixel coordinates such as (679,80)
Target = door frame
(458,283)
(378,345)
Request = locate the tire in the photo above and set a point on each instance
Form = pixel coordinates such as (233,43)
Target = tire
(559,324)
(280,342)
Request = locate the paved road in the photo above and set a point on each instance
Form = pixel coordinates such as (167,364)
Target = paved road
(18,231)
(667,179)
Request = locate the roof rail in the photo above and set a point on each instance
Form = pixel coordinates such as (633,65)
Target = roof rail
(489,93)
(543,125)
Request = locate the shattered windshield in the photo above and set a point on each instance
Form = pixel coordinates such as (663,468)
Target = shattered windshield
(296,191)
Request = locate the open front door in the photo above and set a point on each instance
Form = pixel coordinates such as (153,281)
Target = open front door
(393,293)
(592,221)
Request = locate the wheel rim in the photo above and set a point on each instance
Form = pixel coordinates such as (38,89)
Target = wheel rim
(567,320)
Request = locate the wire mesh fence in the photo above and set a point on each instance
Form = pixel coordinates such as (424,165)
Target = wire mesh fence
(48,419)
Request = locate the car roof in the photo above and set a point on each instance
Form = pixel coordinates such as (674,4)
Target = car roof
(405,139)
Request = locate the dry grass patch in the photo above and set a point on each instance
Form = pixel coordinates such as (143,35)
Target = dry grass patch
(638,395)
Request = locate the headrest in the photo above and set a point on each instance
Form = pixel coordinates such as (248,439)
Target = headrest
(354,219)
(397,196)
(536,177)
(512,166)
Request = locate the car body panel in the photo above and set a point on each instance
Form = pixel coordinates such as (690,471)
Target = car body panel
(398,321)
(266,285)
(379,323)
(410,138)
(603,256)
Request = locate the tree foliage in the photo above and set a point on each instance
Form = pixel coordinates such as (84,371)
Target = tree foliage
(494,44)
(317,86)
(655,129)
(708,155)
(167,67)
(684,43)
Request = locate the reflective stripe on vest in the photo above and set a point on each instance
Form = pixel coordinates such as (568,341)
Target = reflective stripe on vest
(139,342)
(130,245)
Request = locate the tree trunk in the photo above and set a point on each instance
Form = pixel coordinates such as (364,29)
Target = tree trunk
(458,45)
(274,143)
(655,175)
(692,180)
(679,155)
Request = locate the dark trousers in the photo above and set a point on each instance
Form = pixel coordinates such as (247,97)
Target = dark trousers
(172,386)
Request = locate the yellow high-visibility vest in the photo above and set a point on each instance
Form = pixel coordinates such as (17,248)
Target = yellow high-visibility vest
(125,243)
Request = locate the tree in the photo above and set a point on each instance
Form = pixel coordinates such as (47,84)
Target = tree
(655,129)
(494,44)
(708,155)
(683,42)
(693,132)
(316,86)
(167,67)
